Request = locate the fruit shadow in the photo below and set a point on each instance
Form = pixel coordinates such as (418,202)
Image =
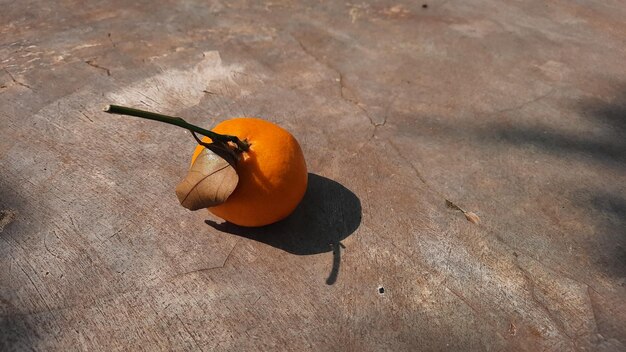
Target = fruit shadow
(328,213)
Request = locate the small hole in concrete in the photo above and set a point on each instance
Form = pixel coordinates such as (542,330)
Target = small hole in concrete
(381,290)
(425,6)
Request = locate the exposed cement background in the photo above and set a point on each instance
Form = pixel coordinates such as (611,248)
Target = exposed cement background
(513,110)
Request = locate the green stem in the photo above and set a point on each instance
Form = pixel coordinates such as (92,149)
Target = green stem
(177,121)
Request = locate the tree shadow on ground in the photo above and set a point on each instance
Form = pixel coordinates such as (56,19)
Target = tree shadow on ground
(610,211)
(18,332)
(560,143)
(328,213)
(602,141)
(606,142)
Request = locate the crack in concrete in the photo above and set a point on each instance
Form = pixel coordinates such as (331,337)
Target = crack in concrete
(211,268)
(415,170)
(474,309)
(110,40)
(93,64)
(526,103)
(87,117)
(593,309)
(193,338)
(538,261)
(463,299)
(15,81)
(45,243)
(419,175)
(531,289)
(342,86)
(454,292)
(229,254)
(96,301)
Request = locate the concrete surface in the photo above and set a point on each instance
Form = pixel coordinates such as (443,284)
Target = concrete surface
(513,110)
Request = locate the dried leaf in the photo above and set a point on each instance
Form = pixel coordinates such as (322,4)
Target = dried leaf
(451,205)
(6,217)
(210,181)
(471,217)
(512,329)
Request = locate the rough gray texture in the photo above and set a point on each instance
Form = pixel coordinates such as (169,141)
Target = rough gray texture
(513,110)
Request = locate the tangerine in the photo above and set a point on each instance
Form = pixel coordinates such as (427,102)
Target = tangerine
(272,173)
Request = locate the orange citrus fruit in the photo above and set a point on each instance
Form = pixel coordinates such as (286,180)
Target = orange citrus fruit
(272,173)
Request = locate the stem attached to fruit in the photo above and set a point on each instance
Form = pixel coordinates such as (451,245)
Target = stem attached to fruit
(177,121)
